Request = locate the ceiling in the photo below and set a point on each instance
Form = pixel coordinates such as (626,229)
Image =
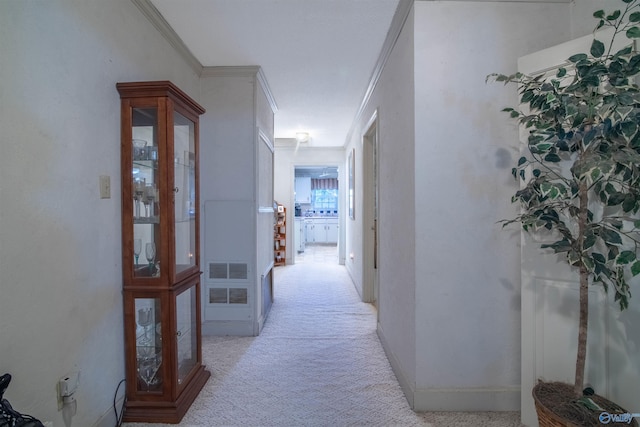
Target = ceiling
(318,56)
(317,171)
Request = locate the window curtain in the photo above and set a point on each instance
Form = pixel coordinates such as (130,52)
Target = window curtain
(324,183)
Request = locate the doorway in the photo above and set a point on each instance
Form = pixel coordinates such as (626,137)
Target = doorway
(370,244)
(316,213)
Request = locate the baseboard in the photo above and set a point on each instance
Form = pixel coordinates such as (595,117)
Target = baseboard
(467,399)
(451,399)
(407,387)
(237,328)
(108,419)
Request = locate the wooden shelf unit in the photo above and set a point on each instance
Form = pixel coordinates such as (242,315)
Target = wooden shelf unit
(280,235)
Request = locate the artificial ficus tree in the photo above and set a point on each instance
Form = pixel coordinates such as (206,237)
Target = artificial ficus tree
(580,166)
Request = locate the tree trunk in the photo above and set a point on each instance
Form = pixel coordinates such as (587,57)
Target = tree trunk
(584,294)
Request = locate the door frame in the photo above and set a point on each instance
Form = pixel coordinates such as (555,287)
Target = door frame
(341,202)
(370,210)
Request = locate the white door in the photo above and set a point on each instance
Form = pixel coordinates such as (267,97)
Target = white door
(550,302)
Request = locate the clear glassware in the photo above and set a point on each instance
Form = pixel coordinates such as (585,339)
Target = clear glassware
(150,197)
(139,149)
(150,253)
(145,318)
(137,249)
(148,367)
(139,186)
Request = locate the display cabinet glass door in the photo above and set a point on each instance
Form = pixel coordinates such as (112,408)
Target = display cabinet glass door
(184,191)
(148,345)
(186,335)
(145,185)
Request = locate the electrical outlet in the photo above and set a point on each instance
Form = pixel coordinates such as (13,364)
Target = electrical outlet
(105,187)
(67,386)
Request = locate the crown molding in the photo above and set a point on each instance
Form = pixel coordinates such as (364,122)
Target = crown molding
(267,90)
(230,71)
(397,23)
(155,17)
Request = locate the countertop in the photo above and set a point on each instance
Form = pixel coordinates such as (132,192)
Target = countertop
(316,217)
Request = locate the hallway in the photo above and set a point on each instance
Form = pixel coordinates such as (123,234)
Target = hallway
(317,362)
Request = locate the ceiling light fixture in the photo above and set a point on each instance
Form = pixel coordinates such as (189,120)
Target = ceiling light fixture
(302,136)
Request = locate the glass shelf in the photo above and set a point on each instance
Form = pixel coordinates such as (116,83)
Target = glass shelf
(147,220)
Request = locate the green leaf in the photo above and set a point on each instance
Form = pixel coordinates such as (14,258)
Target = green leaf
(629,203)
(611,236)
(527,96)
(633,33)
(597,48)
(522,160)
(616,199)
(549,190)
(589,241)
(514,114)
(629,129)
(626,257)
(552,157)
(578,57)
(599,258)
(635,268)
(598,14)
(634,17)
(561,72)
(615,15)
(617,65)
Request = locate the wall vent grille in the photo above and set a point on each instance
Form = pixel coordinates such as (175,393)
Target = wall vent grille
(228,271)
(218,270)
(238,271)
(228,296)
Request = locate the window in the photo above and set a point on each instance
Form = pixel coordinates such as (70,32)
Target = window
(324,200)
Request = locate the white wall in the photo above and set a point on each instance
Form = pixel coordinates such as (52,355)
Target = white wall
(467,267)
(449,279)
(393,99)
(582,20)
(234,230)
(286,157)
(60,256)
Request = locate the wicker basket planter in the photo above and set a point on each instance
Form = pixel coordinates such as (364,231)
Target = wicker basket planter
(556,406)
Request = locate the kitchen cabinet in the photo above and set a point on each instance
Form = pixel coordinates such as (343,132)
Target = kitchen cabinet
(303,189)
(160,251)
(332,230)
(322,230)
(299,238)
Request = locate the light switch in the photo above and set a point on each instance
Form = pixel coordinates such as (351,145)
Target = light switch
(105,187)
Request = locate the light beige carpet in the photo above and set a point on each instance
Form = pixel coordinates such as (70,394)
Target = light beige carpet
(317,362)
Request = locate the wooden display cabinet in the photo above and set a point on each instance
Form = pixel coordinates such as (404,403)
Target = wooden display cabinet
(160,251)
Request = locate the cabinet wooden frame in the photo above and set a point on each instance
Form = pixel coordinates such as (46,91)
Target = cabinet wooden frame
(157,287)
